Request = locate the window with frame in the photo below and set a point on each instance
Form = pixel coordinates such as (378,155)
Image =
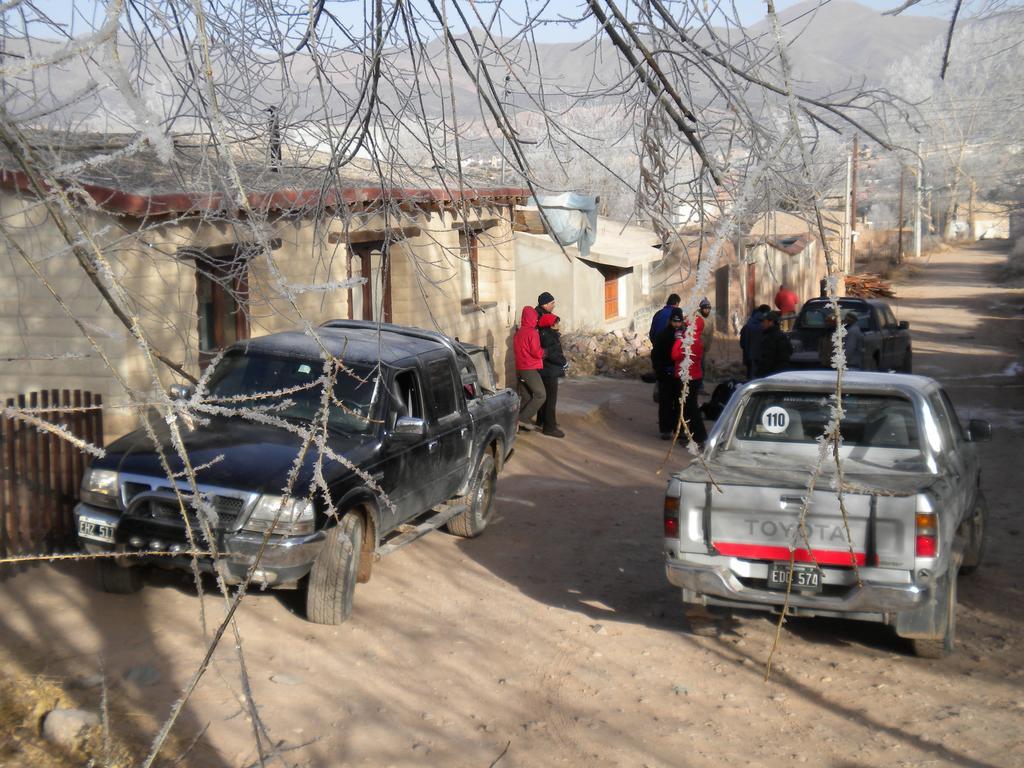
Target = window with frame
(222,293)
(469,264)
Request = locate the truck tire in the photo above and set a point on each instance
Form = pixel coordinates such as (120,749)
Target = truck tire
(332,580)
(941,647)
(975,552)
(116,579)
(479,501)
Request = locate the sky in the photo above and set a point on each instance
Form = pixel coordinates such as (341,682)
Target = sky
(351,11)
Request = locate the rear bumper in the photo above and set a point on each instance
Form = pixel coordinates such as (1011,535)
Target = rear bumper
(285,559)
(718,581)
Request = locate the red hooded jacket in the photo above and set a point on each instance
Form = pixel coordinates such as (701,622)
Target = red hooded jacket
(696,352)
(526,343)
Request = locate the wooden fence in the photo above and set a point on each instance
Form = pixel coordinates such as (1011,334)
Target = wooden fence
(42,472)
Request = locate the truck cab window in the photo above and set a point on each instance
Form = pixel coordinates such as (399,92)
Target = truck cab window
(407,396)
(442,388)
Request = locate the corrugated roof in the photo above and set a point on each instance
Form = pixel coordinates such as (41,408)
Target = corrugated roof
(134,180)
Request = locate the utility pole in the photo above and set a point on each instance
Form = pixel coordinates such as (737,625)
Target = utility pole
(504,109)
(853,205)
(917,203)
(899,243)
(845,265)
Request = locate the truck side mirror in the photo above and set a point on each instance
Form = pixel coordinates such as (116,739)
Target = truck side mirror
(978,430)
(904,325)
(408,428)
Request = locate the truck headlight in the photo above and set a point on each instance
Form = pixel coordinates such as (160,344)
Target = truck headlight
(294,517)
(99,488)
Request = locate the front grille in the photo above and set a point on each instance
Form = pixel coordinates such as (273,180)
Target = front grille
(222,514)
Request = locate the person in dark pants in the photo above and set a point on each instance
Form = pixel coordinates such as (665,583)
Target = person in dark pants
(692,368)
(529,362)
(554,368)
(669,386)
(775,347)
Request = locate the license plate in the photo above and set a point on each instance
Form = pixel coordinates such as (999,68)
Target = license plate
(805,577)
(95,529)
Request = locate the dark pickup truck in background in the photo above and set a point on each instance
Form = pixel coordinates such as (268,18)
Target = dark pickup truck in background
(887,344)
(417,428)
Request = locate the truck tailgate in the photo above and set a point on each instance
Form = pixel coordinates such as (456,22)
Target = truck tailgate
(762,522)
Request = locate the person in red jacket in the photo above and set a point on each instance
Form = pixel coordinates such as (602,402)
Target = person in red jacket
(785,302)
(529,362)
(690,363)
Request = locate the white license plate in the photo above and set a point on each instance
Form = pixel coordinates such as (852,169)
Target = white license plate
(95,529)
(805,577)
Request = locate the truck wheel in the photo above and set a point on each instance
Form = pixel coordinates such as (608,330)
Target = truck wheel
(118,580)
(975,552)
(907,366)
(943,646)
(332,580)
(479,501)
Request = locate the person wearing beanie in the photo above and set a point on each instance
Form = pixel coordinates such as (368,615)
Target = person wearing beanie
(546,302)
(707,335)
(529,361)
(554,368)
(669,385)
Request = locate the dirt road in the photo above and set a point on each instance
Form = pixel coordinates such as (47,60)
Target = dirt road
(555,639)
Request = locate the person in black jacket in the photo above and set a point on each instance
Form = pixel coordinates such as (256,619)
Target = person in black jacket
(670,386)
(775,347)
(554,368)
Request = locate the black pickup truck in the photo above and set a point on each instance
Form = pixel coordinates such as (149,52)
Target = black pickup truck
(887,344)
(413,438)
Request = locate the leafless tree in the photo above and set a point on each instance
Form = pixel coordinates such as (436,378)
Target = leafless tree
(666,104)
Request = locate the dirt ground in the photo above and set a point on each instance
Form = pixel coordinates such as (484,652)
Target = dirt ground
(555,639)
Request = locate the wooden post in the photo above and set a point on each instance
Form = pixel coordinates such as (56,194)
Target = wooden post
(33,516)
(8,494)
(853,205)
(21,480)
(76,427)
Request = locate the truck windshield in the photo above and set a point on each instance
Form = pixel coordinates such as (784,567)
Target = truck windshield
(871,421)
(291,388)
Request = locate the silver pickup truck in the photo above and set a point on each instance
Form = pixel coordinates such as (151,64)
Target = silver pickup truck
(914,510)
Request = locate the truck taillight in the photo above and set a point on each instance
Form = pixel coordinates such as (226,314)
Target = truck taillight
(671,517)
(927,535)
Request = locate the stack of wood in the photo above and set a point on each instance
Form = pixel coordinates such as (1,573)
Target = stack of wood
(868,286)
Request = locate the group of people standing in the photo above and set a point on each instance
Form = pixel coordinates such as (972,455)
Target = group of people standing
(766,347)
(540,363)
(678,350)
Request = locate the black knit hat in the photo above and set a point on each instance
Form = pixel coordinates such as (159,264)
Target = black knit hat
(676,313)
(544,298)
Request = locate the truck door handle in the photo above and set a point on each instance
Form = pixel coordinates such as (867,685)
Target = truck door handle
(464,431)
(432,446)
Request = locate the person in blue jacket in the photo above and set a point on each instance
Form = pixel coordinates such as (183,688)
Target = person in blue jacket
(660,320)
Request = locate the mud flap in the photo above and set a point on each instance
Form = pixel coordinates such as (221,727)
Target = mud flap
(929,621)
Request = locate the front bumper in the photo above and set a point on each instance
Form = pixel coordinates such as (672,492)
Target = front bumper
(719,583)
(285,559)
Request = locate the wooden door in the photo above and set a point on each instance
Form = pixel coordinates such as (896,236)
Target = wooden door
(611,296)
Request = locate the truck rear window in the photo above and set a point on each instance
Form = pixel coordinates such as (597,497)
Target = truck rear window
(874,421)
